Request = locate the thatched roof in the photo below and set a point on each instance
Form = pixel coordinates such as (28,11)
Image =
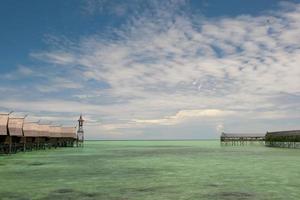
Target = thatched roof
(31,129)
(55,131)
(15,126)
(284,133)
(3,124)
(44,130)
(68,132)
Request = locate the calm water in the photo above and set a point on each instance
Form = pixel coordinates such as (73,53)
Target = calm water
(152,170)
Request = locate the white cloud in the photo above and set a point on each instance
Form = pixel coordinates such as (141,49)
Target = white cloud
(160,63)
(21,71)
(183,115)
(61,58)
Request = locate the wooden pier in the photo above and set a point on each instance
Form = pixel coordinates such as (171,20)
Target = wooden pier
(238,139)
(284,139)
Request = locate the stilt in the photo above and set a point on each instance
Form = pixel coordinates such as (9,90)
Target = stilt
(24,144)
(9,144)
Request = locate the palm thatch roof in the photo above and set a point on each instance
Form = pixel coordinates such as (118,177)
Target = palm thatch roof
(69,132)
(31,129)
(55,131)
(284,133)
(15,126)
(3,124)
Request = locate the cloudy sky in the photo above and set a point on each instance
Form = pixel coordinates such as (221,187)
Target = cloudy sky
(151,69)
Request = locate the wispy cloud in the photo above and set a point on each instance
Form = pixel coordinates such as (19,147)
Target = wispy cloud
(165,61)
(61,58)
(185,115)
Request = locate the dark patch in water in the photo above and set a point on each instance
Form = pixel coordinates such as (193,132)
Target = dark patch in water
(90,194)
(70,194)
(36,164)
(13,196)
(64,190)
(146,189)
(233,196)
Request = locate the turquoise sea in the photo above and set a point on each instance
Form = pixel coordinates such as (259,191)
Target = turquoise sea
(152,170)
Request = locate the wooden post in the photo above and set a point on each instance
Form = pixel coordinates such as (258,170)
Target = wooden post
(24,144)
(38,143)
(9,144)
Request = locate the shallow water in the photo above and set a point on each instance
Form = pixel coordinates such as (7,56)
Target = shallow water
(122,170)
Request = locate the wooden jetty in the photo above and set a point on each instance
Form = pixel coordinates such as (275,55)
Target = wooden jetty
(286,139)
(235,139)
(18,135)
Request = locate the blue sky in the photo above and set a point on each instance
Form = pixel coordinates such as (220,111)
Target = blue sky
(154,69)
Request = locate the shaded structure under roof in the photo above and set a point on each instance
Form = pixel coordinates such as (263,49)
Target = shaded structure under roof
(289,139)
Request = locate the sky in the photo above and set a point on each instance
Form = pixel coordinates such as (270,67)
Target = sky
(151,69)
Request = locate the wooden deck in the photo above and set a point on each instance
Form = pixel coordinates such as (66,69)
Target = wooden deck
(235,139)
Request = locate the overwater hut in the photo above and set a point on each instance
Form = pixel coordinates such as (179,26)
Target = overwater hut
(15,134)
(289,139)
(4,139)
(68,136)
(31,133)
(55,136)
(44,135)
(240,139)
(3,124)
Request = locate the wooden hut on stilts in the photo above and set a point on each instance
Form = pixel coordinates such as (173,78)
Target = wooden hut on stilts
(69,136)
(4,137)
(55,136)
(18,135)
(286,139)
(42,136)
(31,133)
(15,134)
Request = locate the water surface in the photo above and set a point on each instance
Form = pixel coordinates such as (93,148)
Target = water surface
(138,170)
